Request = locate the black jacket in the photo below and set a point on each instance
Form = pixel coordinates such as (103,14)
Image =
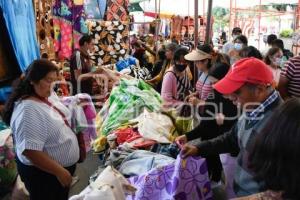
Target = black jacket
(208,128)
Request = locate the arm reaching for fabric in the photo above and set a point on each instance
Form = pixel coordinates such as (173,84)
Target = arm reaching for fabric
(42,161)
(227,143)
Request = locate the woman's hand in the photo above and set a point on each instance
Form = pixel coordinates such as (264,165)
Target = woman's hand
(190,96)
(44,162)
(64,177)
(189,150)
(181,140)
(195,101)
(220,118)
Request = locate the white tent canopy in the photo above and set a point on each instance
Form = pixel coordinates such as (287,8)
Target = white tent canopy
(185,7)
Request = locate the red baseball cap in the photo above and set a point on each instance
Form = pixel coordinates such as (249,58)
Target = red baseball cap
(247,70)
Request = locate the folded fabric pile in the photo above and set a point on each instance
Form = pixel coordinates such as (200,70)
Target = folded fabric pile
(185,179)
(126,102)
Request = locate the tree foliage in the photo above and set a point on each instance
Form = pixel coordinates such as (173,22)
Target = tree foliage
(221,17)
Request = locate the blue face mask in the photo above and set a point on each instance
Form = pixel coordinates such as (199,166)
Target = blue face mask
(238,46)
(277,61)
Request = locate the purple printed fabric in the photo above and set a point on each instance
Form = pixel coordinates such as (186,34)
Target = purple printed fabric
(186,179)
(69,25)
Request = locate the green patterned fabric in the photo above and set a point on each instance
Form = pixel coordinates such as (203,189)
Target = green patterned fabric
(127,101)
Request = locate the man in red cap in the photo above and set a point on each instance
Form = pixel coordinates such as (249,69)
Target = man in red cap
(249,85)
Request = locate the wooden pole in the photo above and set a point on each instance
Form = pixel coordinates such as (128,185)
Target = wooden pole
(230,20)
(196,24)
(208,22)
(259,23)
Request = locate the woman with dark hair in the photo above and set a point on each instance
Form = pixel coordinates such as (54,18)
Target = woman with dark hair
(239,42)
(46,147)
(176,84)
(274,157)
(203,61)
(159,63)
(274,59)
(250,51)
(156,81)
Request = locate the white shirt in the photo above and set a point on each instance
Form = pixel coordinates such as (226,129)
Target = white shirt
(37,126)
(227,47)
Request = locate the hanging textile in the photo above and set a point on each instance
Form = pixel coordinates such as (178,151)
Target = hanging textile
(44,28)
(69,25)
(20,22)
(94,9)
(186,179)
(117,10)
(9,67)
(176,26)
(111,41)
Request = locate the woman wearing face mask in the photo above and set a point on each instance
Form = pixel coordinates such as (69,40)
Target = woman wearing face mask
(176,84)
(239,42)
(274,59)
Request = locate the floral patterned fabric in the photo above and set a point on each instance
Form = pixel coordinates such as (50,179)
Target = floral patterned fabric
(187,179)
(69,25)
(44,28)
(8,168)
(110,40)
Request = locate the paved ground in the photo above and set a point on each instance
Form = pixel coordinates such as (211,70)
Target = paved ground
(84,171)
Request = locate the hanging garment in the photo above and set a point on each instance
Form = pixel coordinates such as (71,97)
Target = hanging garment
(9,67)
(176,26)
(185,179)
(110,40)
(94,9)
(45,31)
(69,25)
(117,10)
(83,116)
(21,26)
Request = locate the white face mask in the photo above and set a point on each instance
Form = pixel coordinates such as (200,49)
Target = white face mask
(238,46)
(234,36)
(277,61)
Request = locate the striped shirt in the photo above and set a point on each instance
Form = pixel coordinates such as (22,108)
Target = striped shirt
(174,88)
(183,86)
(292,73)
(203,86)
(36,126)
